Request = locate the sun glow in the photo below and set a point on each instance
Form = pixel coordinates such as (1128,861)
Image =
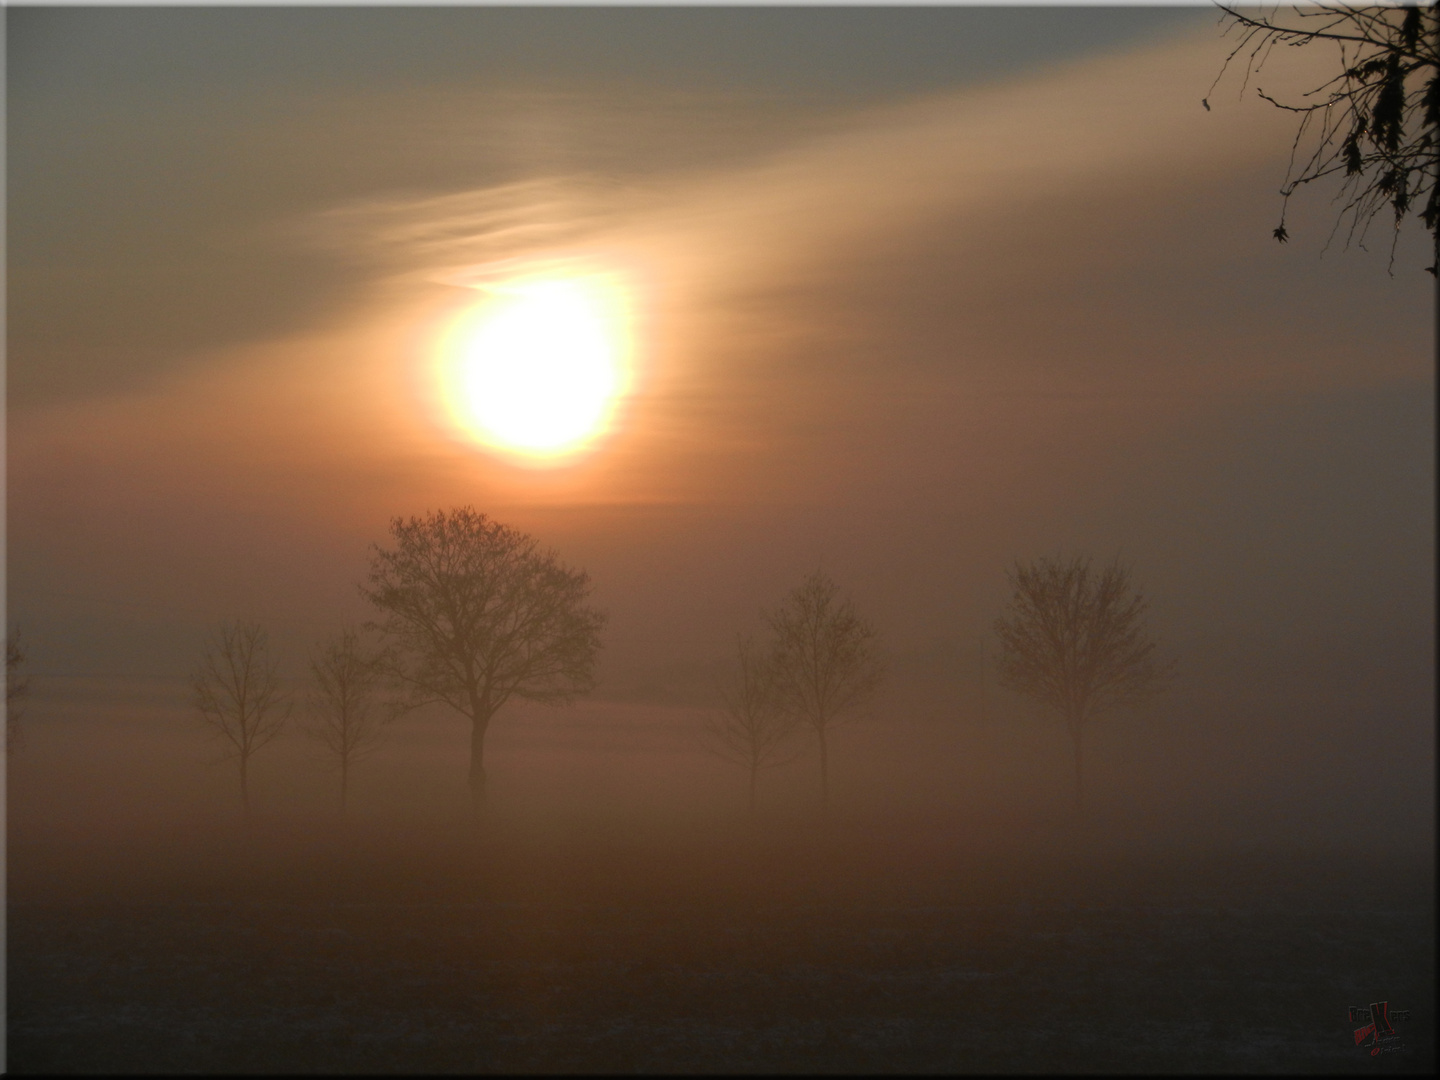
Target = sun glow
(537,370)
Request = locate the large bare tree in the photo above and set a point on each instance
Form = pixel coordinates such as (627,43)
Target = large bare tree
(346,716)
(827,661)
(754,729)
(1075,640)
(478,614)
(17,688)
(238,692)
(1375,125)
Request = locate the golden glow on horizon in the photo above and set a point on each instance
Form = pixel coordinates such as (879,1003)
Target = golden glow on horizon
(536,370)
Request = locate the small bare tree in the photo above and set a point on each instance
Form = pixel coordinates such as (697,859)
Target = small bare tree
(1376,124)
(1076,641)
(17,688)
(237,691)
(754,729)
(345,717)
(826,660)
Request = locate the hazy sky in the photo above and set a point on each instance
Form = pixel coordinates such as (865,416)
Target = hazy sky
(162,158)
(917,292)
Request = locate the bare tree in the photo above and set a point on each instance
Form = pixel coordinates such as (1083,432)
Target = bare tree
(754,729)
(17,689)
(238,692)
(479,614)
(1076,641)
(346,718)
(826,660)
(1376,124)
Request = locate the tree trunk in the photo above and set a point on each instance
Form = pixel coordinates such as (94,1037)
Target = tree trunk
(753,770)
(824,772)
(984,713)
(344,783)
(245,784)
(1075,733)
(477,762)
(480,712)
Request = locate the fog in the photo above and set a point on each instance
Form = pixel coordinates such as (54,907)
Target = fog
(918,296)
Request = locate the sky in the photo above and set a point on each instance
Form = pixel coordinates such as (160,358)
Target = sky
(913,294)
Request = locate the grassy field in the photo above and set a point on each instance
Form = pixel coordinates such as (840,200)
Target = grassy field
(819,950)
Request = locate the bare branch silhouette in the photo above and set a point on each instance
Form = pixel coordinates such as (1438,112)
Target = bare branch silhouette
(345,717)
(478,614)
(1375,125)
(826,659)
(1076,642)
(237,691)
(754,730)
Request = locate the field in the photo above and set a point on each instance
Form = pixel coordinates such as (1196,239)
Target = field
(816,951)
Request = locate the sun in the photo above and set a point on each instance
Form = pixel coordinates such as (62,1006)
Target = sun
(536,370)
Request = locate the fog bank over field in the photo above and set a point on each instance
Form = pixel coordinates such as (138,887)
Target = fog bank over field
(1240,753)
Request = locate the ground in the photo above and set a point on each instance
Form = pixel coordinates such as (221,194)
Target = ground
(824,949)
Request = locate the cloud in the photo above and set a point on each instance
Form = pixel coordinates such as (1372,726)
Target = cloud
(1121,119)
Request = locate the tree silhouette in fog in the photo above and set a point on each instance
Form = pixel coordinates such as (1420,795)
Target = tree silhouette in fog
(826,661)
(479,614)
(17,688)
(754,728)
(1075,640)
(345,716)
(237,691)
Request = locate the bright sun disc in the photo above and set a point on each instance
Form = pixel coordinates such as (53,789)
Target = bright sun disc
(537,369)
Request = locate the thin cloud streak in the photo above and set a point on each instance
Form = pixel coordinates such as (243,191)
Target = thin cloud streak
(1131,117)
